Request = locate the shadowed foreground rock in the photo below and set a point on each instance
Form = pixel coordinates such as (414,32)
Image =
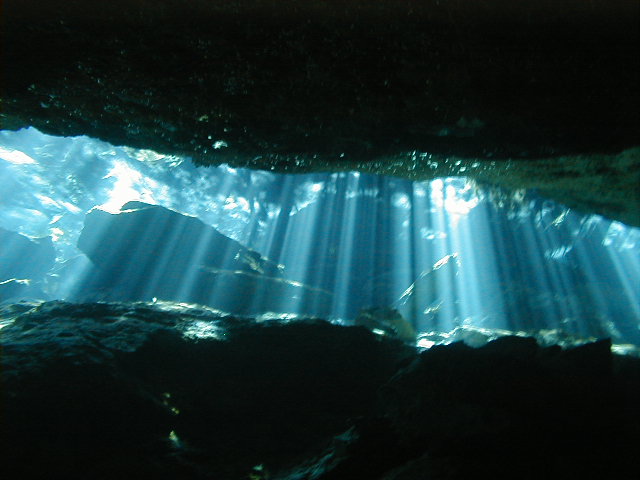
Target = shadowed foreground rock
(96,390)
(124,390)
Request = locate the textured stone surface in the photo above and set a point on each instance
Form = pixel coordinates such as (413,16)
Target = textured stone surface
(540,95)
(115,390)
(508,409)
(95,390)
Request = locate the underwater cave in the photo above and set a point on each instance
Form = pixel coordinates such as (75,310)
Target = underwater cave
(320,240)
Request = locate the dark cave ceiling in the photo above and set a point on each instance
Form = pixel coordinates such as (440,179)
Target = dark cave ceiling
(538,95)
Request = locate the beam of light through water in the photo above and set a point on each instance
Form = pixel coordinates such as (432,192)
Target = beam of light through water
(438,251)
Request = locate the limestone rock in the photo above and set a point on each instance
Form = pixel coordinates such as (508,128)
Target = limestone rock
(508,409)
(154,233)
(147,251)
(413,89)
(107,390)
(165,391)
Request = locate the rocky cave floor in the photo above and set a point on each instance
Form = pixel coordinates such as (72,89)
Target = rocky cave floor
(136,390)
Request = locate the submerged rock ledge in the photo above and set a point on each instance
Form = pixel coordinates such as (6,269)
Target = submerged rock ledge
(134,390)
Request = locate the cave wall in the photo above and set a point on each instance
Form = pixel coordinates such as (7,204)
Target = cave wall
(525,90)
(137,390)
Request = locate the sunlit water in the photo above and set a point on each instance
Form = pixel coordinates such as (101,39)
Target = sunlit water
(438,251)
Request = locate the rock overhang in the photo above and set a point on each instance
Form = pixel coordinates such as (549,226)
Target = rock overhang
(539,96)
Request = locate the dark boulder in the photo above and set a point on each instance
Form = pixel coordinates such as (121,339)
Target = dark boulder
(164,391)
(115,390)
(509,409)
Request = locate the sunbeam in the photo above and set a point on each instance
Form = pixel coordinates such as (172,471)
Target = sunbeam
(438,252)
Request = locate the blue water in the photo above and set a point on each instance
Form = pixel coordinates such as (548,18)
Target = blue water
(440,252)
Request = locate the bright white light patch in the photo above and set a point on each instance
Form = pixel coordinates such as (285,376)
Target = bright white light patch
(16,157)
(424,343)
(621,237)
(199,329)
(150,156)
(126,188)
(56,234)
(457,205)
(232,203)
(48,201)
(400,200)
